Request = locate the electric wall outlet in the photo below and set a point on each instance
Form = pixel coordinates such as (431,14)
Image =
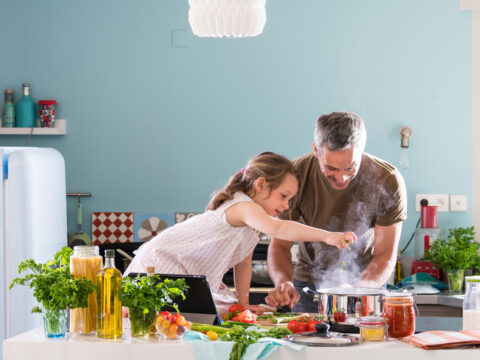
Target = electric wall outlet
(458,202)
(438,200)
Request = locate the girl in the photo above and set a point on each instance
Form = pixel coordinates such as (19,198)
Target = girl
(225,235)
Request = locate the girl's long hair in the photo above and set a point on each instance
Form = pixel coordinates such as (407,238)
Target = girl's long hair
(273,167)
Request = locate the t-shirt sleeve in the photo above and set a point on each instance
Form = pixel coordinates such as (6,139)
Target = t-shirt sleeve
(392,206)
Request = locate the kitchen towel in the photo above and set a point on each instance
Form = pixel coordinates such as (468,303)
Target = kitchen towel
(220,350)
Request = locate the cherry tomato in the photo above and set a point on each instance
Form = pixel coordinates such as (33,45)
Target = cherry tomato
(339,316)
(236,309)
(296,326)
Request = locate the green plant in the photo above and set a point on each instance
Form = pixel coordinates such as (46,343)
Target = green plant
(53,285)
(458,252)
(150,292)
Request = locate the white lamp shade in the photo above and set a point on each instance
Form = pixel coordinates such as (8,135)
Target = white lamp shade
(230,18)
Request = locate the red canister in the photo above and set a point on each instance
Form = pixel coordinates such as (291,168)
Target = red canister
(47,111)
(429,217)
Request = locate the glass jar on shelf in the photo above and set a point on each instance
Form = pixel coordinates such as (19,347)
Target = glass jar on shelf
(399,311)
(85,262)
(471,303)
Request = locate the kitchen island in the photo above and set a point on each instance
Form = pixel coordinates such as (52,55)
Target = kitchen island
(33,345)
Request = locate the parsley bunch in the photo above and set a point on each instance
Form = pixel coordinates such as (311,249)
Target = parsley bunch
(458,252)
(53,285)
(151,293)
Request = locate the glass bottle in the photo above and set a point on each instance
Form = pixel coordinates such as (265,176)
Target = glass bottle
(8,110)
(85,262)
(398,310)
(150,273)
(471,303)
(109,306)
(25,109)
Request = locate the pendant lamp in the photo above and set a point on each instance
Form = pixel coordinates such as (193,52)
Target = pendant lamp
(227,18)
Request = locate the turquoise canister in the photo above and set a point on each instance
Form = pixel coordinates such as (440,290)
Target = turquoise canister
(25,109)
(8,110)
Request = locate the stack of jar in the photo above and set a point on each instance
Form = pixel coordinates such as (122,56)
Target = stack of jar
(397,320)
(104,311)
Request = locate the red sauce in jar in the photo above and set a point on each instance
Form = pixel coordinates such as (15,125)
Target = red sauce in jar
(400,315)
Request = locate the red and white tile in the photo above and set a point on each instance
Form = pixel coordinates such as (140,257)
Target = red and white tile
(112,227)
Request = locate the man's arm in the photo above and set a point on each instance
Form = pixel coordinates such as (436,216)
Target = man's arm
(382,264)
(280,269)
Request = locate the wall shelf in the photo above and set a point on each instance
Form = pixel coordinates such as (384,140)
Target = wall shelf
(60,128)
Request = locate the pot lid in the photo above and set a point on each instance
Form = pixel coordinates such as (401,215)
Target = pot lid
(323,337)
(352,291)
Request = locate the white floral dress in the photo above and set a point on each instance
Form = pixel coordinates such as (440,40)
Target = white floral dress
(205,244)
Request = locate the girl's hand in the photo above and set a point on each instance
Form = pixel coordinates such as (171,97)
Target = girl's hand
(341,240)
(254,308)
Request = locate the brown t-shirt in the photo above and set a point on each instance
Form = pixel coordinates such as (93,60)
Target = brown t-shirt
(376,196)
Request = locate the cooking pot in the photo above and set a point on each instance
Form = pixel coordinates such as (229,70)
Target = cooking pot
(260,272)
(355,302)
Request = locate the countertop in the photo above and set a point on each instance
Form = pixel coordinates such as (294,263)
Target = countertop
(33,345)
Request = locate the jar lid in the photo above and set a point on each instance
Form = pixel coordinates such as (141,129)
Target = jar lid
(372,320)
(399,294)
(475,278)
(47,102)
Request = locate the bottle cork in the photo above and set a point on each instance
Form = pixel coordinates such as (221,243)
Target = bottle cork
(150,270)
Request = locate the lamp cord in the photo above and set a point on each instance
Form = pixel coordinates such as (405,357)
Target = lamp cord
(411,237)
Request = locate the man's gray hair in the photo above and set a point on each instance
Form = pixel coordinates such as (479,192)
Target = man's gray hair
(339,131)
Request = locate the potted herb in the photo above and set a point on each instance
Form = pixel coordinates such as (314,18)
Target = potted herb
(144,296)
(55,289)
(455,254)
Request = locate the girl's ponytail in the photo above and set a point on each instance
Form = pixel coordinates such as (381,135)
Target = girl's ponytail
(235,184)
(273,167)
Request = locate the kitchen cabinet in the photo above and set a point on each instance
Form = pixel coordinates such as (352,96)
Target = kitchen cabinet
(60,128)
(34,345)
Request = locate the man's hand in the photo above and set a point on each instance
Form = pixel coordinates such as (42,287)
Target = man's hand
(283,294)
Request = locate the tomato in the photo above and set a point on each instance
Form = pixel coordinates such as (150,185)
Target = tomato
(296,326)
(311,325)
(236,309)
(246,317)
(339,316)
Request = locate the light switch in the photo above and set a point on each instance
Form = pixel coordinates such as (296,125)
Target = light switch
(458,202)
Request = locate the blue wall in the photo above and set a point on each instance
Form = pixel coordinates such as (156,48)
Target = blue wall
(151,127)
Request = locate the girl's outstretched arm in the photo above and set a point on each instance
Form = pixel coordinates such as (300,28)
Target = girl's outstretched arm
(253,215)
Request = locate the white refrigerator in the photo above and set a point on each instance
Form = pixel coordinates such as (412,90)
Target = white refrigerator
(33,224)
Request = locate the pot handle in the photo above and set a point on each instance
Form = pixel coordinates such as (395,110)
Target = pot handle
(309,291)
(312,293)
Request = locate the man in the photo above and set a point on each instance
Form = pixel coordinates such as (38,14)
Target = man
(342,188)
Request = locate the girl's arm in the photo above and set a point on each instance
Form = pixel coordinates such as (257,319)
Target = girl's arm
(242,275)
(253,215)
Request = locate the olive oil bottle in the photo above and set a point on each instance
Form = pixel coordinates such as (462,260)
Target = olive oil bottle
(109,306)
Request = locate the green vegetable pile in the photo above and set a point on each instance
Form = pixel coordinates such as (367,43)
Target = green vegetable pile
(458,252)
(53,285)
(244,337)
(241,335)
(151,293)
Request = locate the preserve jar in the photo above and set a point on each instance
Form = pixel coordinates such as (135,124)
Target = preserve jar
(372,328)
(471,303)
(398,310)
(85,263)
